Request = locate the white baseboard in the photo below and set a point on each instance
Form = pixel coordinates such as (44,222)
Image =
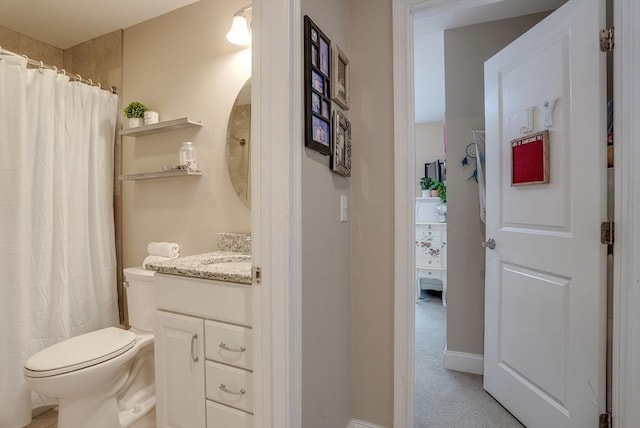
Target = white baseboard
(463,362)
(357,423)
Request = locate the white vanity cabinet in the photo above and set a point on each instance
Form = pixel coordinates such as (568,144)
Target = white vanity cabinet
(203,353)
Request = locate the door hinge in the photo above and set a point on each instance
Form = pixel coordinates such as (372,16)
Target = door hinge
(607,232)
(256,274)
(605,420)
(606,40)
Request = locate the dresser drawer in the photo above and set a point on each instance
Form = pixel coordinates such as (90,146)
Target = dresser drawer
(229,385)
(229,344)
(430,273)
(224,301)
(219,416)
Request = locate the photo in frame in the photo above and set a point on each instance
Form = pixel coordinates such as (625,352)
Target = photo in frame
(341,151)
(317,88)
(340,77)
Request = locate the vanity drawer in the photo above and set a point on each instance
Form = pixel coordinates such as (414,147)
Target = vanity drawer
(229,344)
(224,301)
(219,416)
(235,381)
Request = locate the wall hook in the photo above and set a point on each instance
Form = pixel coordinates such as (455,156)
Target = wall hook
(547,112)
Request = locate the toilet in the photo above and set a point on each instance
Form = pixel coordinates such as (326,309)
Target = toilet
(105,378)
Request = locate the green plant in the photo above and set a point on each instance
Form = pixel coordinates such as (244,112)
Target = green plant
(425,183)
(135,109)
(442,190)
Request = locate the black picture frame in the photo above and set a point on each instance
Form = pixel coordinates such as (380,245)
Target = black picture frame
(317,88)
(435,170)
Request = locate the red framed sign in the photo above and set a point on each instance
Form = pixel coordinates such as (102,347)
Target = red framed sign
(530,159)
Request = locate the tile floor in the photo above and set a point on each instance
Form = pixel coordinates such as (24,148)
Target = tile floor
(50,420)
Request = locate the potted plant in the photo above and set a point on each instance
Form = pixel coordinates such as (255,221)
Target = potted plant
(442,191)
(425,185)
(134,111)
(441,208)
(434,188)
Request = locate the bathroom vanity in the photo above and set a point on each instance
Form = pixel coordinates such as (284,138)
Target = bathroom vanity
(203,342)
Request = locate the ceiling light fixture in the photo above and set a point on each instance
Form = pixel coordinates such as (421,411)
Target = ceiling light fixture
(240,33)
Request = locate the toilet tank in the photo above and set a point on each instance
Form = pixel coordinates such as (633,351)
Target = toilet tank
(141,301)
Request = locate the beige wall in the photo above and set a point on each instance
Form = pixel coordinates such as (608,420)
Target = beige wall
(372,208)
(180,64)
(326,266)
(429,147)
(466,49)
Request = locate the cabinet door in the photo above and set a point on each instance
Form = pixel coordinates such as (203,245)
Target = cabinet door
(179,357)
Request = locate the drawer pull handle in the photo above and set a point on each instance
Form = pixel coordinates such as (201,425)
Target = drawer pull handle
(224,346)
(194,357)
(223,388)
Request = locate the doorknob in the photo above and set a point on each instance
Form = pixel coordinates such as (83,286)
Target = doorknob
(490,244)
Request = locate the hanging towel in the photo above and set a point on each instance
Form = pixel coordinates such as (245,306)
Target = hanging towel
(164,249)
(154,259)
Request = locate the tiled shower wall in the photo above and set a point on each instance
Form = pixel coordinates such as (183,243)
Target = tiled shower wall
(35,49)
(100,60)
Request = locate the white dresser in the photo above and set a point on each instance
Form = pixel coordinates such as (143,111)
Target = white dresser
(431,248)
(203,353)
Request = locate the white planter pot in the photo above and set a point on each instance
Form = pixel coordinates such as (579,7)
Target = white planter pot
(134,122)
(426,193)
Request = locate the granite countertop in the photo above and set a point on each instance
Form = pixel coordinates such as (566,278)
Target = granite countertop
(218,265)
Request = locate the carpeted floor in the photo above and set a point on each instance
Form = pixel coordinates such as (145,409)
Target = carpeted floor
(444,398)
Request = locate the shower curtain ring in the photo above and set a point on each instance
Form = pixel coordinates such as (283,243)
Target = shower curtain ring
(79,78)
(99,85)
(90,82)
(41,68)
(63,71)
(55,68)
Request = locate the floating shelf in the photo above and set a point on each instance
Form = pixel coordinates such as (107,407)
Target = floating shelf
(169,125)
(159,174)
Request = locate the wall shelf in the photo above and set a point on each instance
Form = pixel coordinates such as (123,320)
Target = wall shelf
(159,174)
(169,125)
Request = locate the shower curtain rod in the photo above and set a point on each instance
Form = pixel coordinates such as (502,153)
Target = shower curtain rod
(42,65)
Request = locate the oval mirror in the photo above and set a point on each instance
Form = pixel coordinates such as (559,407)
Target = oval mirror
(238,144)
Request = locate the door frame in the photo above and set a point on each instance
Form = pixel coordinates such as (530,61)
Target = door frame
(276,160)
(626,271)
(626,297)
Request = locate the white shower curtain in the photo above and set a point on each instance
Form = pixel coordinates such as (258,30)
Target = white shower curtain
(57,244)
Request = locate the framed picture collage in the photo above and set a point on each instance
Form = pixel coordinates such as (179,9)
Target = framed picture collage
(326,79)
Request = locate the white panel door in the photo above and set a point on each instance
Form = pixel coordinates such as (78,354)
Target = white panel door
(545,289)
(179,358)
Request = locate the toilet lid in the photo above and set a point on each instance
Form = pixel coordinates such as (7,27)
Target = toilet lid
(80,351)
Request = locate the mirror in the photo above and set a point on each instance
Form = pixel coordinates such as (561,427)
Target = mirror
(238,144)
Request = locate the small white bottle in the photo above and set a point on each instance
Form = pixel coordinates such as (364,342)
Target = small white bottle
(188,156)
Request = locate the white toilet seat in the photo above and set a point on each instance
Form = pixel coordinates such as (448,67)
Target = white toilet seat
(80,352)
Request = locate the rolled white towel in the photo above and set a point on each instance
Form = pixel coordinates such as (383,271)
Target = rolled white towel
(153,259)
(164,249)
